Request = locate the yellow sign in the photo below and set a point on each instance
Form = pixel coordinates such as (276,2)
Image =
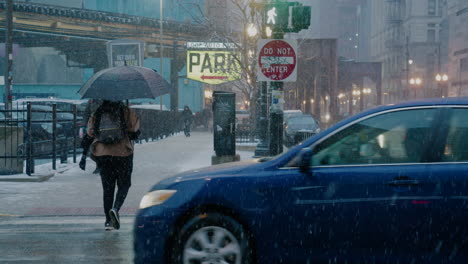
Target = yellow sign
(213,67)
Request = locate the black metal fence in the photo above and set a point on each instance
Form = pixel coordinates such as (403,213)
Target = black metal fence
(33,131)
(246,133)
(155,124)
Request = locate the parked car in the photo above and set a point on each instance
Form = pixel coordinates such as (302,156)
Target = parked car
(291,113)
(63,105)
(388,185)
(298,128)
(41,125)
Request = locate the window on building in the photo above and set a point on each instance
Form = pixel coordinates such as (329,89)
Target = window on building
(464,65)
(440,8)
(431,35)
(431,7)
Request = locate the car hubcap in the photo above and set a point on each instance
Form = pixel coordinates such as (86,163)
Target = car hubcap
(212,245)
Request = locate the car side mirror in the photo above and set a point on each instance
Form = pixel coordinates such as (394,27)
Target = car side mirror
(305,156)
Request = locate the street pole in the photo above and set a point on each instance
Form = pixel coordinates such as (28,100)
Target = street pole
(262,123)
(8,54)
(262,148)
(276,116)
(161,48)
(174,79)
(407,86)
(438,71)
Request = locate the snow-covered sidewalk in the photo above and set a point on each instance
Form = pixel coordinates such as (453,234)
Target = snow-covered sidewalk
(75,192)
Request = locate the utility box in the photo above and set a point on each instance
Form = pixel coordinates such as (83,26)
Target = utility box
(11,138)
(224,123)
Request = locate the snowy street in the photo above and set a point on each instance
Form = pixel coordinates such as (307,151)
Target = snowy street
(49,219)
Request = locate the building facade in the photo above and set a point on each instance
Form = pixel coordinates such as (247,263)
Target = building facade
(457,64)
(407,36)
(40,70)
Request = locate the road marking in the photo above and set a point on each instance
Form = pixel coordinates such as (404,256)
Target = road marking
(8,215)
(60,220)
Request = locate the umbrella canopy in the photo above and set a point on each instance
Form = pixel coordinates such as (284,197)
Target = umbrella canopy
(125,82)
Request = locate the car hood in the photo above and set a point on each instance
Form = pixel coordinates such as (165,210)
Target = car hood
(215,171)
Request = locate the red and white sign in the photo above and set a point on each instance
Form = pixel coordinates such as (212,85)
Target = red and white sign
(277,60)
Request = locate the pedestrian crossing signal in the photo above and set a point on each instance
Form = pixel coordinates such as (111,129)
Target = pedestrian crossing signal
(284,17)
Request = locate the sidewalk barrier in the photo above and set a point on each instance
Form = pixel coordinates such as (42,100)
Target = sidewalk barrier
(44,132)
(156,124)
(34,131)
(245,133)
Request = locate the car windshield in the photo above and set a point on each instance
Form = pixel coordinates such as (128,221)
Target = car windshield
(302,123)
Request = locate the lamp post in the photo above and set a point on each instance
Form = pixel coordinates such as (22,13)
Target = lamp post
(442,79)
(415,82)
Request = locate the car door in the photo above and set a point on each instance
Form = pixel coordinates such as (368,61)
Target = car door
(366,193)
(449,235)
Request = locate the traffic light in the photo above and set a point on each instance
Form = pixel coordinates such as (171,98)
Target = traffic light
(276,16)
(301,17)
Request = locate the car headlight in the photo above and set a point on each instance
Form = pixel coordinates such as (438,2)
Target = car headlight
(155,198)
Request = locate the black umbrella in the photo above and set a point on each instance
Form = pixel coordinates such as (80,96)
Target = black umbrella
(125,82)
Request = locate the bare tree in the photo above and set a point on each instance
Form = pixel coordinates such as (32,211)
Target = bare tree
(231,21)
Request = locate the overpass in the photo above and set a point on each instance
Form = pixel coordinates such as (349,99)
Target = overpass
(81,34)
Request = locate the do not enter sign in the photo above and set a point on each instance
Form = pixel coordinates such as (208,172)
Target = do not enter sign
(277,60)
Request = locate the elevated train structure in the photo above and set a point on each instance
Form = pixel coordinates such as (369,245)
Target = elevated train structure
(81,34)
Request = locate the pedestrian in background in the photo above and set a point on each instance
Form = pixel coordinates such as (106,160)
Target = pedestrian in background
(187,117)
(86,141)
(113,127)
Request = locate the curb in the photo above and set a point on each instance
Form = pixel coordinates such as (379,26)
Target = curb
(35,178)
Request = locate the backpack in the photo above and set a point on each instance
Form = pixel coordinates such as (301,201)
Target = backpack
(110,131)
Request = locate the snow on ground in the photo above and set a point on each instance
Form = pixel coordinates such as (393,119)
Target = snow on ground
(72,187)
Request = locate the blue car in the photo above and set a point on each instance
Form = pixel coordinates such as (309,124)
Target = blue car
(389,185)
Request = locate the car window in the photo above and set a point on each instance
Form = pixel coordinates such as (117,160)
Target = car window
(456,146)
(395,137)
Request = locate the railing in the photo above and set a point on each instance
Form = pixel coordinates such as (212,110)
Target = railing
(155,124)
(246,134)
(37,131)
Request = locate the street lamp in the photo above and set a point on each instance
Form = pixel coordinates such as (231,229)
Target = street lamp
(367,91)
(415,81)
(252,30)
(442,78)
(268,32)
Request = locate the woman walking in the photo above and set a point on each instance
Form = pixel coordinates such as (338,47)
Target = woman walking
(113,126)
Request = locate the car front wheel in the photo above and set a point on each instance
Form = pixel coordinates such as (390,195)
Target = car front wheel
(211,238)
